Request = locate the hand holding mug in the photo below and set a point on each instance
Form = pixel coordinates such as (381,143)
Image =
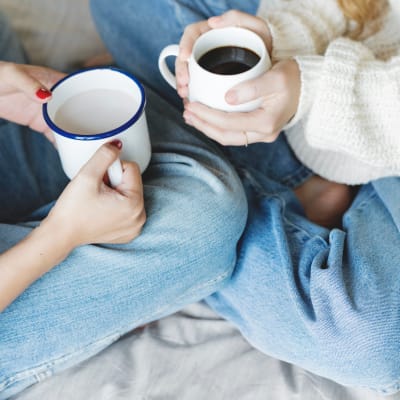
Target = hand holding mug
(279,89)
(273,94)
(219,59)
(89,211)
(192,32)
(93,106)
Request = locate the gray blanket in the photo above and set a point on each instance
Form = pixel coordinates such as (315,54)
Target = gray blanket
(192,355)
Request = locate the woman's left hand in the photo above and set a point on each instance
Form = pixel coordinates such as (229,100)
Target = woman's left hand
(279,89)
(23,91)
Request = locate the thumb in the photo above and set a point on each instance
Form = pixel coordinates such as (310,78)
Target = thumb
(16,76)
(131,180)
(101,160)
(271,82)
(250,90)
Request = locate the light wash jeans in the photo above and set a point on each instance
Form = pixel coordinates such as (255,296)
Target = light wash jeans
(326,300)
(196,210)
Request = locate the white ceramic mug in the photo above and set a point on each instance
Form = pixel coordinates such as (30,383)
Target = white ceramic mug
(94,106)
(210,88)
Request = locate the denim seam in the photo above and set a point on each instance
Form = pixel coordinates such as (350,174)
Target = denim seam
(297,178)
(37,370)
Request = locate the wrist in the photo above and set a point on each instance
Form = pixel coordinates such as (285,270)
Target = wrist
(55,239)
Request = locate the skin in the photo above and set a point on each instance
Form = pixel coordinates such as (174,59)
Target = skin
(279,88)
(88,210)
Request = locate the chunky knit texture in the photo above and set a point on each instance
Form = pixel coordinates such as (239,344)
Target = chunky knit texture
(347,126)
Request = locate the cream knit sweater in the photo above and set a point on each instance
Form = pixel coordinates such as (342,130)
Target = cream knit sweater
(347,127)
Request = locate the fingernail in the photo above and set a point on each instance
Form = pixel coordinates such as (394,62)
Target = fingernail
(117,143)
(43,93)
(231,97)
(215,19)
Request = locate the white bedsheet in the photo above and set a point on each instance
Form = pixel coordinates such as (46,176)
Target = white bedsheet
(192,355)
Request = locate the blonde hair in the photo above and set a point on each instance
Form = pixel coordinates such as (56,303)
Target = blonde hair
(362,12)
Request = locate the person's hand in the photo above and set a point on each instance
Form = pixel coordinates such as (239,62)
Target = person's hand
(23,90)
(193,31)
(89,211)
(279,89)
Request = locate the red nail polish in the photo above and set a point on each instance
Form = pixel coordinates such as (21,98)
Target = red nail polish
(43,93)
(117,143)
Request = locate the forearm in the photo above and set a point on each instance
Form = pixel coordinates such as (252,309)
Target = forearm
(27,261)
(354,97)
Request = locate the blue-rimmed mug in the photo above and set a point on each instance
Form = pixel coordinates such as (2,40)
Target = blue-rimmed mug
(94,106)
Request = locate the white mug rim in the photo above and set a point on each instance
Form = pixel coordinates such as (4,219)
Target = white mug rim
(102,135)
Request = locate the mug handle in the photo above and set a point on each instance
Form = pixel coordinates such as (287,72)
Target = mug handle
(171,50)
(115,173)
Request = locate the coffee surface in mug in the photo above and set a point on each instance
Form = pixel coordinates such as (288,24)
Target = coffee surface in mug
(228,60)
(95,111)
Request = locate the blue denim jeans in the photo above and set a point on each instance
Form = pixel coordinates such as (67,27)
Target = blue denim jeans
(326,300)
(196,210)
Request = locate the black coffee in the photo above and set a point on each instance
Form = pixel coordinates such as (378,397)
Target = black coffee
(229,60)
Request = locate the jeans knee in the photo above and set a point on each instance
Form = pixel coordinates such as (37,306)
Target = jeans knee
(223,220)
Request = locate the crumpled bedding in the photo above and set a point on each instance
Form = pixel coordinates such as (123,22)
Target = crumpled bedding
(191,355)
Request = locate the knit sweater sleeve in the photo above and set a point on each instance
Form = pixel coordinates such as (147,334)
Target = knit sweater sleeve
(354,103)
(302,27)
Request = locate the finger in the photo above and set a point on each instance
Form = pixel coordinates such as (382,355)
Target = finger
(222,136)
(190,34)
(233,121)
(131,184)
(15,76)
(243,20)
(102,159)
(182,78)
(253,89)
(47,76)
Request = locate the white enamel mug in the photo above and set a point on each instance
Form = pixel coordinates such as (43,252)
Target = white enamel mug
(94,106)
(210,88)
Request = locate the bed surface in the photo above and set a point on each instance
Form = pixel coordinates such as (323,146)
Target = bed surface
(191,355)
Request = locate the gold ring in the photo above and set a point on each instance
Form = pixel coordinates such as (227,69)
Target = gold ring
(246,138)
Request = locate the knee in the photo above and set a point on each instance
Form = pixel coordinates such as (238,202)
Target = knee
(195,220)
(216,219)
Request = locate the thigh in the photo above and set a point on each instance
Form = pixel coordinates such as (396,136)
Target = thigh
(325,300)
(136,32)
